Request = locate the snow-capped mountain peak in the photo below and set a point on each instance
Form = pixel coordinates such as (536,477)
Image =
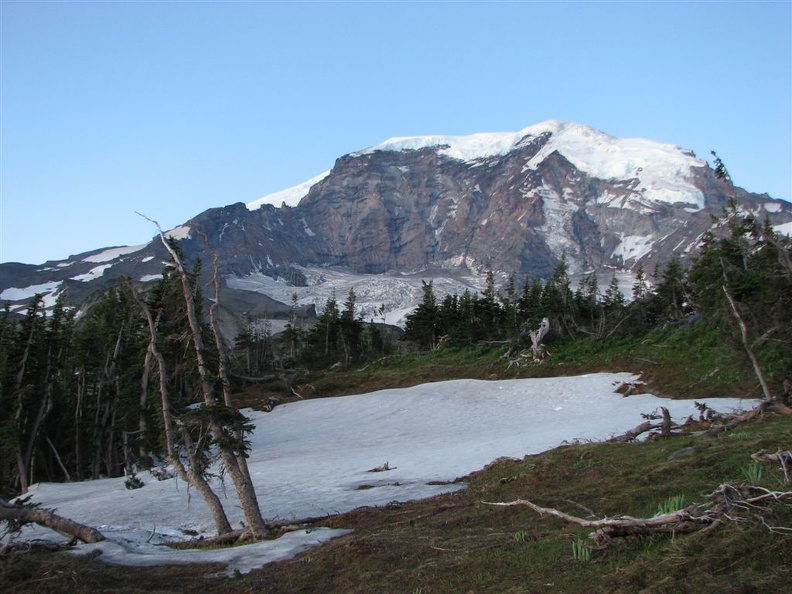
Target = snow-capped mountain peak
(663,171)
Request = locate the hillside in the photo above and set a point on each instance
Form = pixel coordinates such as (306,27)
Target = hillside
(454,542)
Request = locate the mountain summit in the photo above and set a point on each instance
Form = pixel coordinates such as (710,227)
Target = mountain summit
(443,207)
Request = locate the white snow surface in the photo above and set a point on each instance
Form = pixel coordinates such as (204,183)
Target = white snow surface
(113,253)
(289,196)
(313,457)
(20,293)
(93,273)
(785,229)
(662,170)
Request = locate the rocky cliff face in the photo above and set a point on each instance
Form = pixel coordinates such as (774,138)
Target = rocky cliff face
(444,208)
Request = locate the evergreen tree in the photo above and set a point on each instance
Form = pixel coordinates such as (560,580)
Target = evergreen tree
(422,325)
(350,330)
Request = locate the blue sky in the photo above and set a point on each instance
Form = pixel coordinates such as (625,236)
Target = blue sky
(170,108)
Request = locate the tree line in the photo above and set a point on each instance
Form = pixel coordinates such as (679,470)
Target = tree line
(739,281)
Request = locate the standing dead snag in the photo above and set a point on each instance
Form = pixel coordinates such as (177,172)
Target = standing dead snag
(538,350)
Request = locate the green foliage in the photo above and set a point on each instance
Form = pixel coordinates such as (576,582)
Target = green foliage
(752,474)
(670,505)
(580,551)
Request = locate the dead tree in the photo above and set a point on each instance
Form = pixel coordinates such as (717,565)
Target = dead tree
(691,519)
(746,345)
(17,515)
(538,350)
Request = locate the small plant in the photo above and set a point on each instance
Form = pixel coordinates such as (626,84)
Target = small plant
(521,536)
(752,473)
(580,551)
(672,504)
(738,434)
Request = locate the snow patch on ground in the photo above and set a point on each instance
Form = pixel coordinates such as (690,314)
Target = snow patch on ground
(313,457)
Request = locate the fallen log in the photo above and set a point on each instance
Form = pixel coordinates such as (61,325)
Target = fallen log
(25,514)
(678,522)
(633,433)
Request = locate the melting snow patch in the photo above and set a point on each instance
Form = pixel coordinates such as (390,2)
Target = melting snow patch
(178,233)
(113,253)
(785,229)
(772,207)
(634,247)
(92,274)
(311,457)
(290,196)
(18,294)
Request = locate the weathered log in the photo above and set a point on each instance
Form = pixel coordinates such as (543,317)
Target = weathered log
(49,519)
(678,522)
(633,433)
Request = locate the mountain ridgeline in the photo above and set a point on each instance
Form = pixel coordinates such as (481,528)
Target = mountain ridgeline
(413,209)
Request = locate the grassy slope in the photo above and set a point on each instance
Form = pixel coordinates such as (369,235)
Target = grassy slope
(456,543)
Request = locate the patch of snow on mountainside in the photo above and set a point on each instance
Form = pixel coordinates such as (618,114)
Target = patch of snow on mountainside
(785,229)
(92,274)
(20,293)
(177,233)
(113,253)
(634,247)
(289,196)
(380,297)
(464,148)
(662,170)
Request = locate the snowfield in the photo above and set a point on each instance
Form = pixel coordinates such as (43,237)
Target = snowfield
(314,457)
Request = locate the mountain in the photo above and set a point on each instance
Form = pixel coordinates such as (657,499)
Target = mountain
(444,208)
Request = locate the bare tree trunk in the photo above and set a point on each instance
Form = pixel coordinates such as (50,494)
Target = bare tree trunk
(48,518)
(59,460)
(142,424)
(538,350)
(78,425)
(751,355)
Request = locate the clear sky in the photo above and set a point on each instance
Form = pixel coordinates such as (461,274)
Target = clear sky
(170,108)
